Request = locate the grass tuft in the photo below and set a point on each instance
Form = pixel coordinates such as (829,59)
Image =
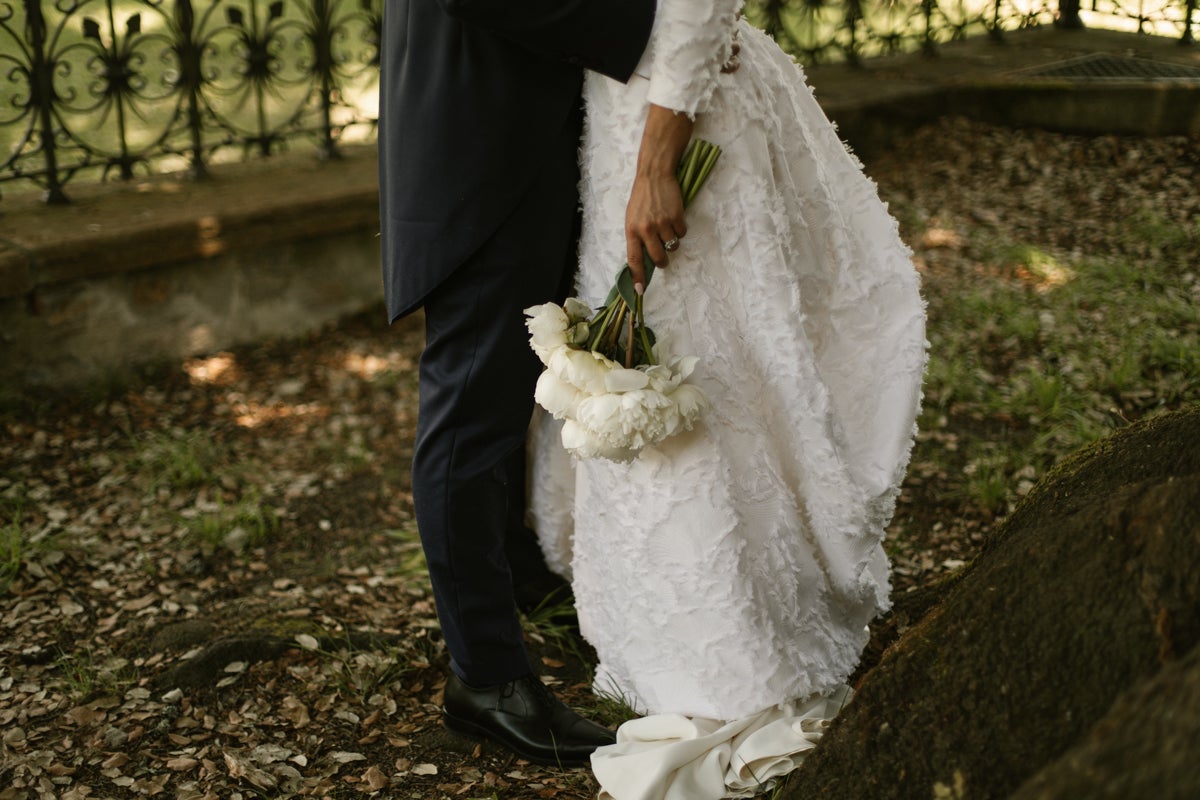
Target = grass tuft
(180,460)
(249,523)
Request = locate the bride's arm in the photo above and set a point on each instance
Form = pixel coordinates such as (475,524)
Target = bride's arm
(690,42)
(655,211)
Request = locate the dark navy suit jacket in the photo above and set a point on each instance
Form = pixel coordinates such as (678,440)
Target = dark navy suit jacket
(471,92)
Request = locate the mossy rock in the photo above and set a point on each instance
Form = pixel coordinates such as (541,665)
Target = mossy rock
(1087,590)
(1147,745)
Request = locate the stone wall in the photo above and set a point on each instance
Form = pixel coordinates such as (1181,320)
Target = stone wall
(80,331)
(163,269)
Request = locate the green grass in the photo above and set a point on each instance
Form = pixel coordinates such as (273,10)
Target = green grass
(361,674)
(553,622)
(249,523)
(180,460)
(12,550)
(83,677)
(987,482)
(611,707)
(1044,354)
(355,670)
(19,544)
(412,565)
(79,673)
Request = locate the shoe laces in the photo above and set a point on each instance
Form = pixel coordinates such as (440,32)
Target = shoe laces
(541,694)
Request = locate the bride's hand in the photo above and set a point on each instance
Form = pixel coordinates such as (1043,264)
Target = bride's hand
(653,220)
(654,216)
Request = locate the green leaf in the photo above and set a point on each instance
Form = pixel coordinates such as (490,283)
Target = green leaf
(623,286)
(645,341)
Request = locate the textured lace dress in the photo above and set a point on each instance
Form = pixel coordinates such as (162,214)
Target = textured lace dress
(725,577)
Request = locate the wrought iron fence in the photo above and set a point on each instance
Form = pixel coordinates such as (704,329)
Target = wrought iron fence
(818,30)
(823,30)
(108,86)
(103,87)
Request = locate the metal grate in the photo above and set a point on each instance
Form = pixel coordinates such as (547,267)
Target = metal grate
(1106,67)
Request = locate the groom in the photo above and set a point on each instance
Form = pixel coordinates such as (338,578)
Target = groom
(478,139)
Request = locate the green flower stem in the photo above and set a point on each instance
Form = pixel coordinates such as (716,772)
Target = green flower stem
(710,160)
(641,321)
(608,311)
(687,167)
(629,344)
(698,163)
(693,170)
(616,327)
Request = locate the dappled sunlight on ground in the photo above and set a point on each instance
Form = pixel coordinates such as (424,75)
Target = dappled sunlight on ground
(369,366)
(213,369)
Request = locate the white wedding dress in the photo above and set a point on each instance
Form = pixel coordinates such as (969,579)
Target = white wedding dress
(726,576)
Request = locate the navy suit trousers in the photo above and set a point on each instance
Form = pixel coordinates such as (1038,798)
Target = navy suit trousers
(477,376)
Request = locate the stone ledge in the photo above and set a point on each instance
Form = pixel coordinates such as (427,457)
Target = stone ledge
(113,228)
(164,267)
(990,81)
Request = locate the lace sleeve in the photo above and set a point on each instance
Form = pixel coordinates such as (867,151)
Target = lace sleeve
(690,41)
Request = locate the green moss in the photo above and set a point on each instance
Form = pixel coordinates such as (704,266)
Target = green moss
(1088,587)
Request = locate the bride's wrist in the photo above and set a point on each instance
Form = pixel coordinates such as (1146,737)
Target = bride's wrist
(664,139)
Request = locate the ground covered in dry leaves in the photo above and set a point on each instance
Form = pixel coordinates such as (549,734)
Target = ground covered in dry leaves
(210,585)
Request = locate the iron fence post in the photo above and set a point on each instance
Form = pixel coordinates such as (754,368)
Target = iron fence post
(321,36)
(117,76)
(189,50)
(928,46)
(42,98)
(853,16)
(995,33)
(1068,15)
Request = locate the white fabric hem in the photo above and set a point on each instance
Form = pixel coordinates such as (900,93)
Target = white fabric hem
(674,757)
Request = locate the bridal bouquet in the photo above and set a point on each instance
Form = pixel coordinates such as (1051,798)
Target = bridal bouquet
(604,376)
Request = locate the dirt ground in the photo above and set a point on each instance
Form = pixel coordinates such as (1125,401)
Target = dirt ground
(211,584)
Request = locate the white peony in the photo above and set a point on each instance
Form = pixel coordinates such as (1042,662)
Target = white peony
(608,410)
(691,402)
(558,397)
(585,445)
(625,380)
(661,378)
(683,366)
(648,416)
(583,369)
(547,325)
(628,419)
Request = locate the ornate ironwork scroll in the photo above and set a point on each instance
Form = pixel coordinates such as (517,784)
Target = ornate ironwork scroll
(113,86)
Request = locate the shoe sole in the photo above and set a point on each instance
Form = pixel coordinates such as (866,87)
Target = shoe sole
(474,731)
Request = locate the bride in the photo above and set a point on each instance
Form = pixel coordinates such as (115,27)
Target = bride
(726,576)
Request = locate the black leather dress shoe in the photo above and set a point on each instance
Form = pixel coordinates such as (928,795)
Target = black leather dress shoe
(524,717)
